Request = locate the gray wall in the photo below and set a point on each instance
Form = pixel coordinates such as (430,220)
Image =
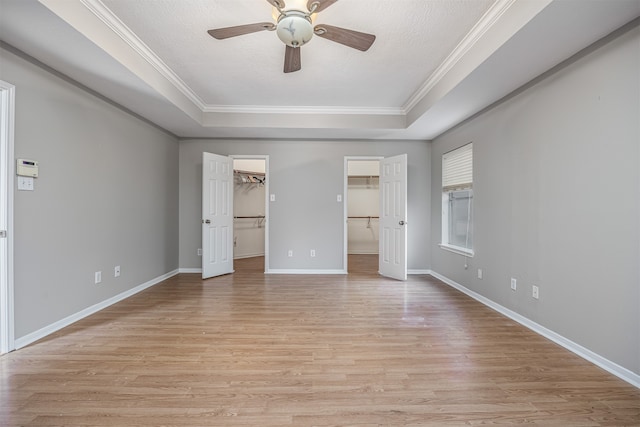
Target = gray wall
(556,197)
(306,177)
(107,195)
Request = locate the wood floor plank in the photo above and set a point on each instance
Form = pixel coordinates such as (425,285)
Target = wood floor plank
(250,349)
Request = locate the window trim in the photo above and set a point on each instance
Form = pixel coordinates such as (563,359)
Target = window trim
(462,180)
(469,253)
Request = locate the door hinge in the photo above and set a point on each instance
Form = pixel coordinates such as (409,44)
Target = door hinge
(3,233)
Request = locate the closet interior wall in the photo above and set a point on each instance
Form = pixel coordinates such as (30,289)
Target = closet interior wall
(249,208)
(363,207)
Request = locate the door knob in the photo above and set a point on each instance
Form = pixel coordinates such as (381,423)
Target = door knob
(206,221)
(402,223)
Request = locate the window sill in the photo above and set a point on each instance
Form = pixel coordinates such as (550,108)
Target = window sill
(457,250)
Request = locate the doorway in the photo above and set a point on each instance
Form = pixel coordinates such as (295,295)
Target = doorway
(250,212)
(7,109)
(392,213)
(362,204)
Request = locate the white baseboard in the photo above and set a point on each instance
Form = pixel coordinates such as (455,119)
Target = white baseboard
(609,366)
(243,256)
(56,326)
(413,272)
(199,270)
(300,271)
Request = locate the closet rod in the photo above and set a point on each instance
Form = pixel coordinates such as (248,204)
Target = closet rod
(362,217)
(248,172)
(244,217)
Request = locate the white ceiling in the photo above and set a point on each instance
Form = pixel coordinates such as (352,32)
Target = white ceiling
(433,64)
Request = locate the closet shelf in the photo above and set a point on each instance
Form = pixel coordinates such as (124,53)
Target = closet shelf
(362,181)
(238,171)
(249,177)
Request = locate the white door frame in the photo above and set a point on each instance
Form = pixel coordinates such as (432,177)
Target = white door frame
(7,112)
(345,192)
(266,201)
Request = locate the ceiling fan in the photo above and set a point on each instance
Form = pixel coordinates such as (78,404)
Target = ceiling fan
(295,28)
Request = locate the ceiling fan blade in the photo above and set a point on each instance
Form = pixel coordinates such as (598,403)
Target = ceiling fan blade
(225,33)
(351,38)
(292,59)
(277,3)
(322,4)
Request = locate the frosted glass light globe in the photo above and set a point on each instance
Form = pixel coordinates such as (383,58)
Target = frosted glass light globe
(294,29)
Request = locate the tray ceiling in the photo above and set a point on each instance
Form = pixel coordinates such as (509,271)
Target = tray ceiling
(433,64)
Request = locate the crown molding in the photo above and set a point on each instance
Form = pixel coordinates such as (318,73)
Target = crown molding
(103,13)
(201,109)
(485,23)
(259,109)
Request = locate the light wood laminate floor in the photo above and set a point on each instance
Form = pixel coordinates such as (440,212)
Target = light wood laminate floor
(250,349)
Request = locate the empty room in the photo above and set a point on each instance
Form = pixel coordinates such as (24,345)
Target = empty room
(319,212)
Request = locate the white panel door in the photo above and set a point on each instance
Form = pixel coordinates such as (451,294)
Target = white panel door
(217,215)
(393,217)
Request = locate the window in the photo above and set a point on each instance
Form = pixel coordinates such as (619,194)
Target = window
(457,200)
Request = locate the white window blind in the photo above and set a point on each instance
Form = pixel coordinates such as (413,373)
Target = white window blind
(457,169)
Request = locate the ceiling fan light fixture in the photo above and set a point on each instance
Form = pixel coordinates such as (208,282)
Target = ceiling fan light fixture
(294,28)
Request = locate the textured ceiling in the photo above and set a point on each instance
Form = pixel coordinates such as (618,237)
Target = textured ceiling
(413,39)
(434,62)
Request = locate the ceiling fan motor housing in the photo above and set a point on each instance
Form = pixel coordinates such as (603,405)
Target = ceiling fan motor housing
(294,28)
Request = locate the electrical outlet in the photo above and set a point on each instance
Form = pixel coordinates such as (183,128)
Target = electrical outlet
(535,292)
(98,277)
(479,273)
(272,197)
(312,253)
(199,252)
(116,271)
(339,198)
(513,284)
(290,253)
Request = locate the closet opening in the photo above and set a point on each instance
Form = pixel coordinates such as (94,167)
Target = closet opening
(362,214)
(250,213)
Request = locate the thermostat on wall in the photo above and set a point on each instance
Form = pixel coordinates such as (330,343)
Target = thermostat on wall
(27,168)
